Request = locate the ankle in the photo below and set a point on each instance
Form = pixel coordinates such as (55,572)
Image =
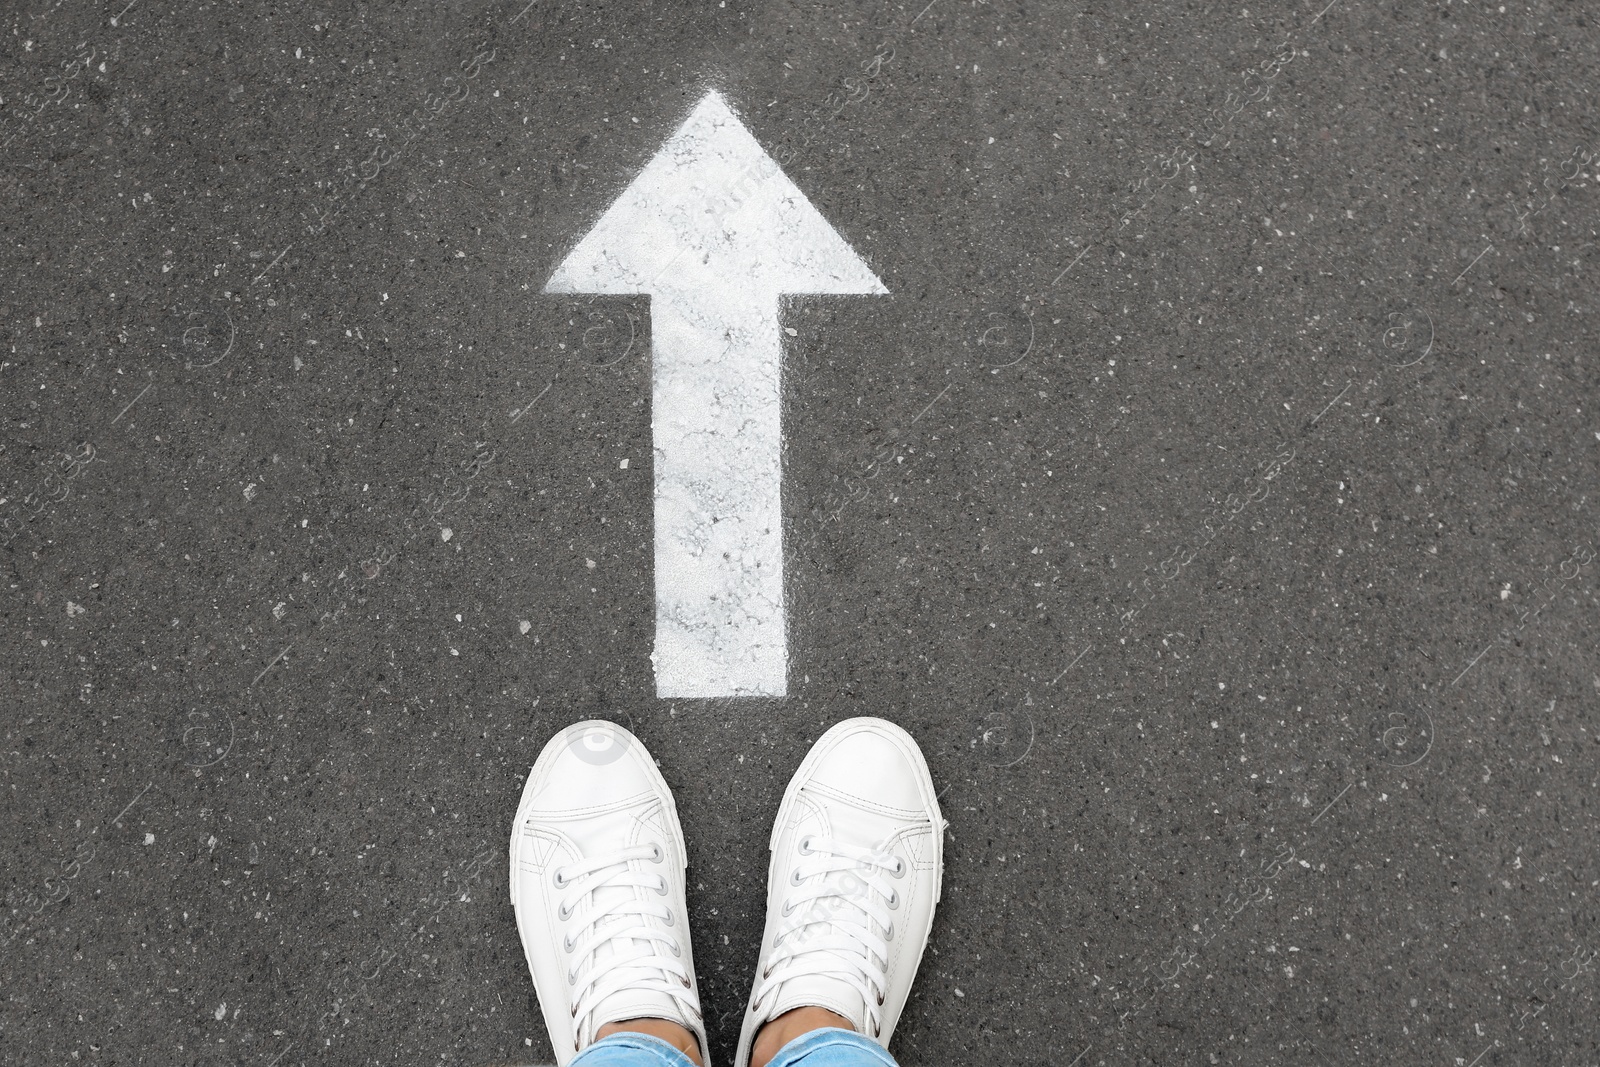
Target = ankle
(779,1031)
(670,1032)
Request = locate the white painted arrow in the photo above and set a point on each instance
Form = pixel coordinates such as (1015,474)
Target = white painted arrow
(715,232)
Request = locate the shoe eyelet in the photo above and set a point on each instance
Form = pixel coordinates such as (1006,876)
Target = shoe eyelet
(659,853)
(572,979)
(663,891)
(567,944)
(805,845)
(894,898)
(880,1004)
(676,951)
(794,876)
(563,912)
(899,868)
(671,919)
(556,879)
(788,909)
(888,936)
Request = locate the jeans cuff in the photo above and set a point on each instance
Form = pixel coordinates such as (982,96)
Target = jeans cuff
(818,1043)
(629,1048)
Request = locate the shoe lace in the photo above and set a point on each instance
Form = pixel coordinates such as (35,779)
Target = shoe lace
(634,925)
(840,926)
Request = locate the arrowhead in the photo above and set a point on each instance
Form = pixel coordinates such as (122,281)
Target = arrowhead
(711,211)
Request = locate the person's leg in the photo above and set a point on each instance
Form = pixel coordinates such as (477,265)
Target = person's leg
(597,882)
(632,1048)
(660,1029)
(829,1047)
(857,858)
(780,1032)
(785,1028)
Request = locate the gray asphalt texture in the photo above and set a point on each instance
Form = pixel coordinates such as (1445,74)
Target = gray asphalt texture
(1210,498)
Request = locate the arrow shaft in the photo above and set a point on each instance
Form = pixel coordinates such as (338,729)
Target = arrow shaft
(718,503)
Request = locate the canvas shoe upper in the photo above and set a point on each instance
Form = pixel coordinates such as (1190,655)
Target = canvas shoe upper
(857,858)
(597,882)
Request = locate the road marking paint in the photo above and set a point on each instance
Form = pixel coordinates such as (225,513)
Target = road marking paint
(716,233)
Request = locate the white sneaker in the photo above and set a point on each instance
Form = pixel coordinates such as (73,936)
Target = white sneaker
(597,881)
(857,858)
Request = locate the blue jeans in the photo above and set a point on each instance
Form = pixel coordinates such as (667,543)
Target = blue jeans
(819,1048)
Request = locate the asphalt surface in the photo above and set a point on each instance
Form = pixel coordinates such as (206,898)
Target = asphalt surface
(1210,498)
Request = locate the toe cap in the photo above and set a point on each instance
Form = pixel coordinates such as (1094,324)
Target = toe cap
(875,762)
(593,764)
